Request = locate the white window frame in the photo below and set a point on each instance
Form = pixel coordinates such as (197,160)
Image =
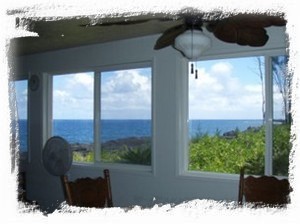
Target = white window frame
(183,116)
(97,163)
(97,116)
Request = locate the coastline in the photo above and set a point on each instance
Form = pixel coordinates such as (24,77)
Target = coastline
(112,145)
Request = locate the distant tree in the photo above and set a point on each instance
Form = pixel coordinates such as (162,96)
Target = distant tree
(261,77)
(282,80)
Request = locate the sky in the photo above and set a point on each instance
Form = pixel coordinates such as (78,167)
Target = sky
(125,94)
(21,97)
(225,89)
(229,89)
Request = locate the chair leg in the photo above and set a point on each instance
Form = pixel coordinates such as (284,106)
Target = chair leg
(241,187)
(67,190)
(109,194)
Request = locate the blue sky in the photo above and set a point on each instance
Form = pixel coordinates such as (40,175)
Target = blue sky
(21,96)
(225,89)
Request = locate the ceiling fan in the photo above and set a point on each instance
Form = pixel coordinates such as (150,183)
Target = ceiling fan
(242,29)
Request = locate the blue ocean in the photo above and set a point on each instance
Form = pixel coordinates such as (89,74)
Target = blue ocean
(81,131)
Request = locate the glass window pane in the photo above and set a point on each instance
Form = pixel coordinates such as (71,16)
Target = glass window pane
(125,129)
(226,111)
(73,113)
(282,115)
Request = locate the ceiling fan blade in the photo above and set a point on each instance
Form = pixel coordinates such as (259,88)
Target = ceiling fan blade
(123,22)
(277,21)
(168,37)
(262,20)
(254,37)
(245,29)
(224,31)
(129,22)
(256,20)
(251,36)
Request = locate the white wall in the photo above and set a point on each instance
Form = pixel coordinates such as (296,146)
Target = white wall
(130,187)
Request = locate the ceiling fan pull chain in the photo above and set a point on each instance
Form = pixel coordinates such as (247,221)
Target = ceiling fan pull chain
(192,64)
(192,68)
(192,41)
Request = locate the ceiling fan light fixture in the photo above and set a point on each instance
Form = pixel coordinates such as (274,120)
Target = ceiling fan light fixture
(192,43)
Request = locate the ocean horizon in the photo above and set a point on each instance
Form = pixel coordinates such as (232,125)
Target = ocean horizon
(81,131)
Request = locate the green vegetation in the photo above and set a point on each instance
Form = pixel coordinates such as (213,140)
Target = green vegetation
(127,155)
(80,157)
(227,154)
(222,154)
(281,149)
(122,154)
(132,156)
(137,156)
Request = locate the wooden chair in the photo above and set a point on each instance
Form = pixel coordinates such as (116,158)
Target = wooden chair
(263,190)
(89,192)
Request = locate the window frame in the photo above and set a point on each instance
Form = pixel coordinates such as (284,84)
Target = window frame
(97,113)
(97,163)
(183,115)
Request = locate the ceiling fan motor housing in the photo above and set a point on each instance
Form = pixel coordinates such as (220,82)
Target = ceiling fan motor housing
(192,43)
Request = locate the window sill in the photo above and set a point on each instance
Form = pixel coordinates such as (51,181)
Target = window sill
(116,167)
(209,176)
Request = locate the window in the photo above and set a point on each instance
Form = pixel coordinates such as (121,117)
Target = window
(228,115)
(125,113)
(72,116)
(282,115)
(20,114)
(105,116)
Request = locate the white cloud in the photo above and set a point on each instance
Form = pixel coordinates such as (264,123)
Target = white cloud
(73,96)
(25,92)
(81,80)
(218,93)
(84,79)
(60,94)
(253,88)
(222,68)
(126,94)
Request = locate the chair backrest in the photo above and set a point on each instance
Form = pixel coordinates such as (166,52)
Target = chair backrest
(263,190)
(89,192)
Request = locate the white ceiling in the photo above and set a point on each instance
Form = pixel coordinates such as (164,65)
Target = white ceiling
(70,32)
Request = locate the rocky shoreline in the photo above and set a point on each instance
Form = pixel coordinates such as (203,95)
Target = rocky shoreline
(130,142)
(139,142)
(233,133)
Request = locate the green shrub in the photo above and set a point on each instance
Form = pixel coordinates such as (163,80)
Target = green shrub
(86,157)
(111,156)
(137,156)
(226,155)
(119,153)
(214,153)
(281,149)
